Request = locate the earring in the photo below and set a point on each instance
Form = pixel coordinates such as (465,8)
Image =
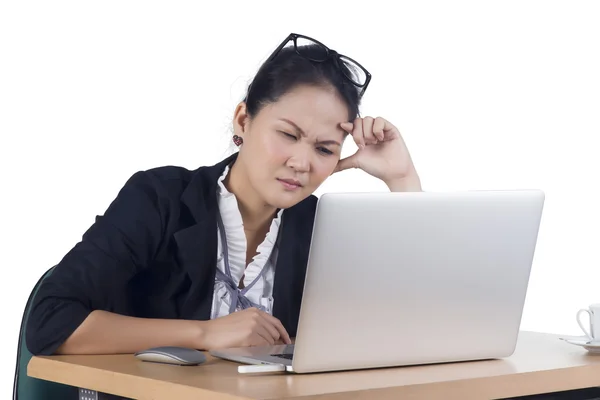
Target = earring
(237,140)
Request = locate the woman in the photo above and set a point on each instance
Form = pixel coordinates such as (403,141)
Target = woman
(216,257)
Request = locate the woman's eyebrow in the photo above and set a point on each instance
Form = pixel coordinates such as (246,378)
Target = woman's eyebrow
(302,133)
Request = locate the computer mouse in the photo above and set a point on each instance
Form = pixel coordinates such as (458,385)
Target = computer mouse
(172,355)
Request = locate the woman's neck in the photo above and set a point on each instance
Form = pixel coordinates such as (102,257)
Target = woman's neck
(256,214)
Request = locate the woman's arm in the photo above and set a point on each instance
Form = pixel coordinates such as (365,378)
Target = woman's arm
(103,332)
(107,333)
(95,273)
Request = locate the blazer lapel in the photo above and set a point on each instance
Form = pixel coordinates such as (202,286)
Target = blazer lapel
(197,244)
(297,223)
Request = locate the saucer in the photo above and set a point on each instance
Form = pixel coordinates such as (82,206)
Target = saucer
(591,346)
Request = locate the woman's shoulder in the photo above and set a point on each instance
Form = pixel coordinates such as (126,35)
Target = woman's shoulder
(174,180)
(158,185)
(173,177)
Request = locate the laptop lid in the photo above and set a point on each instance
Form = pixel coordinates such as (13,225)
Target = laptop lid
(416,277)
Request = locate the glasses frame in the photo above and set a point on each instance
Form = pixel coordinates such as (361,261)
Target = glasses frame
(330,53)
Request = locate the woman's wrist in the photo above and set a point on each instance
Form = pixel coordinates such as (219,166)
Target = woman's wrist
(199,335)
(409,183)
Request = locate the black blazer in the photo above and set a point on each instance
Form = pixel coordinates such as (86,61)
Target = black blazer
(153,254)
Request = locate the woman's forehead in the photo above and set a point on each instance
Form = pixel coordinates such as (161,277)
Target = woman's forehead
(310,106)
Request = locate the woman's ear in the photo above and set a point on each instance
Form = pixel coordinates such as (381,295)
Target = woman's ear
(240,120)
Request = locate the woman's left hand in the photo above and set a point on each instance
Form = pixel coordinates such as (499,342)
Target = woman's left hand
(381,153)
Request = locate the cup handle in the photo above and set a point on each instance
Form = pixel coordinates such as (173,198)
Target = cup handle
(587,333)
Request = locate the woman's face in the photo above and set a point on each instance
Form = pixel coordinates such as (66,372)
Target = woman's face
(293,145)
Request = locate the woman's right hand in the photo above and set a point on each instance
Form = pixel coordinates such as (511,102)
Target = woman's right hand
(249,327)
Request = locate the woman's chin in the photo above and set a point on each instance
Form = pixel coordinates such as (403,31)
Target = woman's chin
(286,200)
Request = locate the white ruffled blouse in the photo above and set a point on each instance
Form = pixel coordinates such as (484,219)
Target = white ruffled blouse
(261,293)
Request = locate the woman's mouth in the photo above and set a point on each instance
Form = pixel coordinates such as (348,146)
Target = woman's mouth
(290,184)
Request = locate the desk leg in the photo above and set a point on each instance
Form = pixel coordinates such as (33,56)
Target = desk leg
(86,394)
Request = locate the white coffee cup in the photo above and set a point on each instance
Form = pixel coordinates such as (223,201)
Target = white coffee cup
(593,329)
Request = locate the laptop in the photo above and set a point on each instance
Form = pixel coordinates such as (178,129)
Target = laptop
(410,278)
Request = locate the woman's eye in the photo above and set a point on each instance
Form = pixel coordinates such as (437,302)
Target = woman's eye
(322,150)
(288,134)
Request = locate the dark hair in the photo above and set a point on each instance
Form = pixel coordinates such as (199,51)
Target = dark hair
(289,69)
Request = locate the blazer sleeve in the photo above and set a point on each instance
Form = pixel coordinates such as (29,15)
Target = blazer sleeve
(94,273)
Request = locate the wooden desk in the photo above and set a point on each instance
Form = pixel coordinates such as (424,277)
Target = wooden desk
(542,363)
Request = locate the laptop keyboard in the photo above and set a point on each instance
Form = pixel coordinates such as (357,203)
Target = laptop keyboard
(286,356)
(287,353)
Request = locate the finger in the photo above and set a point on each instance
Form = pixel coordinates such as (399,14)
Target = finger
(283,334)
(280,328)
(263,332)
(349,127)
(347,163)
(269,326)
(378,127)
(258,324)
(368,130)
(389,130)
(357,133)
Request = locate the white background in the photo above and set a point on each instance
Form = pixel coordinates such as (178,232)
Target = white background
(488,95)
